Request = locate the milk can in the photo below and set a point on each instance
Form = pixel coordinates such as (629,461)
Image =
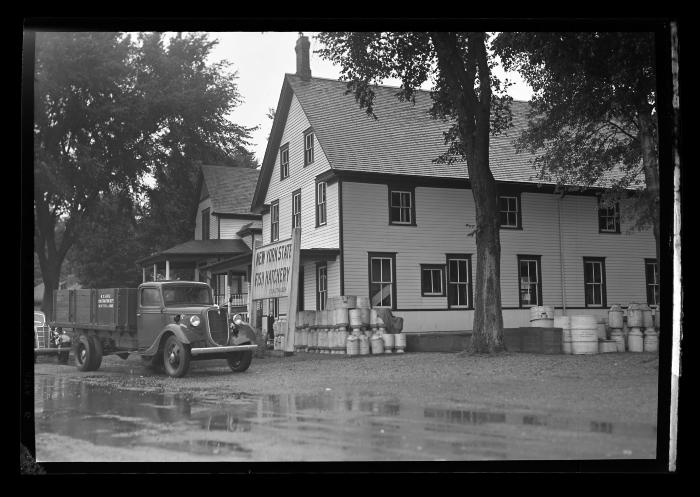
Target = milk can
(388,342)
(400,342)
(364,345)
(377,344)
(352,345)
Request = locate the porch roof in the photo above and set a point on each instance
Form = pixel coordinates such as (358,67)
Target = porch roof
(194,250)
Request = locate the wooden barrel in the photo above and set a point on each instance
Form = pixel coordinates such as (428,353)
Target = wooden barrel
(564,322)
(541,312)
(635,340)
(584,335)
(651,340)
(341,317)
(362,302)
(388,342)
(616,317)
(635,318)
(373,319)
(619,338)
(364,316)
(344,302)
(647,317)
(355,318)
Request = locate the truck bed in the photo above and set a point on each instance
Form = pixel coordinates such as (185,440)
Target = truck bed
(111,309)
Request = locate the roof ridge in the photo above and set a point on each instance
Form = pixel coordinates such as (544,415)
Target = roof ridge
(383,86)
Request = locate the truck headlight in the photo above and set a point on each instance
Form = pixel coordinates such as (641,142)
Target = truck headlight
(194,321)
(237,319)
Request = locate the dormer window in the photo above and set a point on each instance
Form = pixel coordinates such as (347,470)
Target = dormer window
(205,224)
(284,161)
(308,147)
(608,217)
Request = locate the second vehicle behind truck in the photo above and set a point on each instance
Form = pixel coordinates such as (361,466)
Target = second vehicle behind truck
(168,323)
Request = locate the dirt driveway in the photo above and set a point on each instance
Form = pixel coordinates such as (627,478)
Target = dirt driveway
(309,407)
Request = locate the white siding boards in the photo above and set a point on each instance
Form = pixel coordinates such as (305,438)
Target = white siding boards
(303,178)
(442,216)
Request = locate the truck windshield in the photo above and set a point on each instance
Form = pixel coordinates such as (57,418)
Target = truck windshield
(181,294)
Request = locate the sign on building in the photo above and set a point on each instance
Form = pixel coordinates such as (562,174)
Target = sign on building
(275,274)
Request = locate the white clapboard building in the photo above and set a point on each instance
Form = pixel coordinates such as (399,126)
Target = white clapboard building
(380,218)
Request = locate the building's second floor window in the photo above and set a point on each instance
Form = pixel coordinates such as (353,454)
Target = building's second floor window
(401,206)
(652,277)
(608,217)
(296,209)
(509,211)
(321,204)
(275,221)
(284,161)
(205,224)
(308,147)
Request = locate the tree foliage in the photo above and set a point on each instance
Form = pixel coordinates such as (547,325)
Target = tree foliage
(467,96)
(593,120)
(112,111)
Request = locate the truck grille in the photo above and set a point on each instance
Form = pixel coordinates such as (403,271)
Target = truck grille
(218,331)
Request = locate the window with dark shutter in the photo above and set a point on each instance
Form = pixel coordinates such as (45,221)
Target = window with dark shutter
(530,280)
(275,221)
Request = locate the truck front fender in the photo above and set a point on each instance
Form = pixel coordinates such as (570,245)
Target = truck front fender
(245,334)
(183,334)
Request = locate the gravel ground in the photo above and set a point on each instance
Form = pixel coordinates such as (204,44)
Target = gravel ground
(614,387)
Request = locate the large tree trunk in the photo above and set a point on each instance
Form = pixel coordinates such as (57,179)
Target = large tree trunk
(474,128)
(651,171)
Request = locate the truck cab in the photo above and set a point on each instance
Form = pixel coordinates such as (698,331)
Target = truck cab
(168,323)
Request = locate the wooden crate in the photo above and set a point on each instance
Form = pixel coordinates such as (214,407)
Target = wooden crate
(533,340)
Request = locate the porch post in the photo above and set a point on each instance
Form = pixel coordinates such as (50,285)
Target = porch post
(155,270)
(143,274)
(167,269)
(227,290)
(196,272)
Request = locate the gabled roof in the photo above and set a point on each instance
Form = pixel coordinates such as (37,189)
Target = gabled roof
(194,249)
(403,140)
(230,188)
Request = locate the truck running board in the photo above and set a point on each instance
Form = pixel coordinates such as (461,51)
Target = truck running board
(221,350)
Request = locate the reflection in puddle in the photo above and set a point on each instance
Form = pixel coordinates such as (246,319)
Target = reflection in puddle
(325,426)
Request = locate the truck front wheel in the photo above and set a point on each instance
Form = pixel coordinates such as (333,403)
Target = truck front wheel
(176,357)
(85,354)
(239,361)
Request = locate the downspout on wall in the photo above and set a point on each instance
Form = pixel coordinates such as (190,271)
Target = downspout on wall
(561,257)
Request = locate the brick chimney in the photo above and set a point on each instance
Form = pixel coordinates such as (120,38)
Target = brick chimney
(302,50)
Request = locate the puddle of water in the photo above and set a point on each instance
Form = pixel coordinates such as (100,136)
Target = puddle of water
(330,425)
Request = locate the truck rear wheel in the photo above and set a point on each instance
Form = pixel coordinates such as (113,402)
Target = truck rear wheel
(85,353)
(97,359)
(239,361)
(176,357)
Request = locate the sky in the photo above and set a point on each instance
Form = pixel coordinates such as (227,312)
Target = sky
(262,59)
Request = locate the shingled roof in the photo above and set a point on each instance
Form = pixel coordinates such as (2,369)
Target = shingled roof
(230,188)
(194,249)
(403,140)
